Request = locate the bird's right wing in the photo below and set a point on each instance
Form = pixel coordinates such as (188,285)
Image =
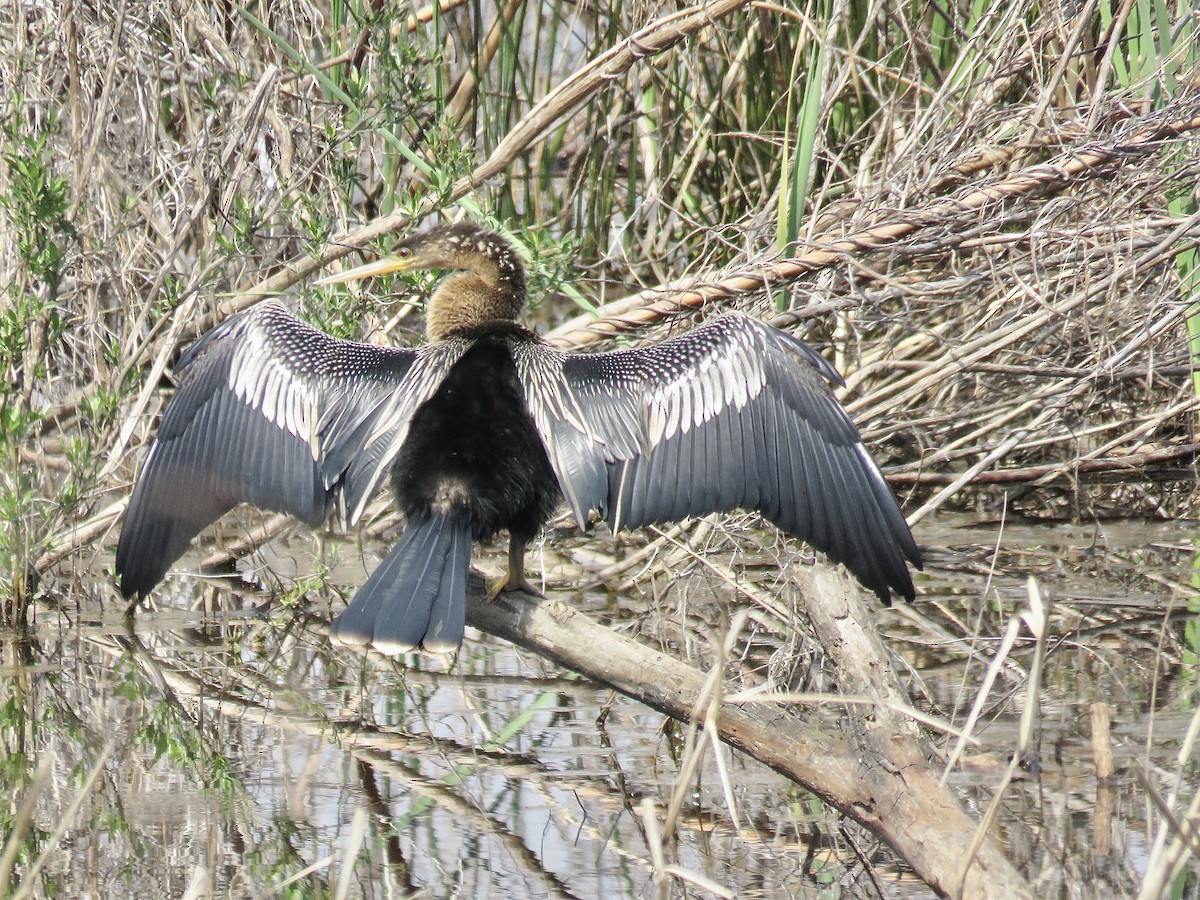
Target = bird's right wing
(734,414)
(272,412)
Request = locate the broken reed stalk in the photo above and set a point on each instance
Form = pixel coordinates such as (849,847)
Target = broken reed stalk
(648,307)
(890,789)
(1102,753)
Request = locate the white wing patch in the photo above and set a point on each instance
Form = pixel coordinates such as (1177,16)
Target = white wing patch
(280,368)
(269,384)
(693,388)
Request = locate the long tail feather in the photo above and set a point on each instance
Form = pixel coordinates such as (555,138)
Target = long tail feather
(447,619)
(417,596)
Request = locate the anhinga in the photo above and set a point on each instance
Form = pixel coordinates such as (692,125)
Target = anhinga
(485,427)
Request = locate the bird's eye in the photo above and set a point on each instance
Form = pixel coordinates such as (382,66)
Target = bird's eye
(404,253)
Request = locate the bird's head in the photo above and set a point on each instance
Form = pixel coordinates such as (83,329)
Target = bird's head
(489,286)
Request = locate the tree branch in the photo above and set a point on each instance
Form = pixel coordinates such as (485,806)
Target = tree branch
(891,790)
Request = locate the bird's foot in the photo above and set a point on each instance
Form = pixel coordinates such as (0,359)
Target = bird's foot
(508,584)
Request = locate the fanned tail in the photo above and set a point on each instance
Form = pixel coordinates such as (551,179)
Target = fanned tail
(417,596)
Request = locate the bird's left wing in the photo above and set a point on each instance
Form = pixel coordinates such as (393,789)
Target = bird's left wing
(734,414)
(272,412)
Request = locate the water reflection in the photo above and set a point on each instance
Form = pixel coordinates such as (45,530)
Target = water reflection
(241,746)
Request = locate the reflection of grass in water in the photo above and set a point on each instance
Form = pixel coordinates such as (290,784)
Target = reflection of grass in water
(284,846)
(1191,630)
(49,759)
(49,723)
(26,769)
(24,838)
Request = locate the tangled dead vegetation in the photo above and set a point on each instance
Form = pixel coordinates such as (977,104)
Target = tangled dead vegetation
(987,218)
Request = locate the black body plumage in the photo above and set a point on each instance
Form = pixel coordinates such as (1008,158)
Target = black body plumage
(473,446)
(473,465)
(486,426)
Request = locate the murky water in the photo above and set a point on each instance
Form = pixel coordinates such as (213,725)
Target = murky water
(242,756)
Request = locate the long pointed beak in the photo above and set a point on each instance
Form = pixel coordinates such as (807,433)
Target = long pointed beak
(379,267)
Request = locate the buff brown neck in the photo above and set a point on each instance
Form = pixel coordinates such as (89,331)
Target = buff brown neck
(472,298)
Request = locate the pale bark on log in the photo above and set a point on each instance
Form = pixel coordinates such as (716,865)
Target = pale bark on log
(880,777)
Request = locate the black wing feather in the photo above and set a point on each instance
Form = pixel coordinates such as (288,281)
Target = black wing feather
(733,414)
(271,412)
